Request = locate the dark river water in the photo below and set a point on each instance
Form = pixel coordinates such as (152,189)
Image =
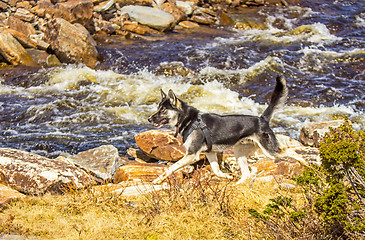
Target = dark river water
(319,46)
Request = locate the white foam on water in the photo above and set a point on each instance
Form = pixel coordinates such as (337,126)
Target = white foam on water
(289,16)
(327,53)
(289,32)
(133,98)
(313,33)
(269,63)
(360,20)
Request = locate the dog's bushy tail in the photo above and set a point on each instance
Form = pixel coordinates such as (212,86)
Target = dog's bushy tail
(278,98)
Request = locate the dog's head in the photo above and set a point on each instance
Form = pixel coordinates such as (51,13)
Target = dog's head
(169,110)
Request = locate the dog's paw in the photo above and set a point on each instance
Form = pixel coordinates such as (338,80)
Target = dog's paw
(225,175)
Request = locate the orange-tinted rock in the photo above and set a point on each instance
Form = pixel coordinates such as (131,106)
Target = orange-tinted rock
(7,194)
(203,19)
(20,26)
(188,24)
(24,15)
(13,52)
(71,44)
(75,11)
(289,169)
(145,172)
(138,28)
(176,12)
(265,167)
(160,145)
(21,38)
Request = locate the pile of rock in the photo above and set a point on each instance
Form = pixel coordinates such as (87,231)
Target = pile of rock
(46,33)
(28,173)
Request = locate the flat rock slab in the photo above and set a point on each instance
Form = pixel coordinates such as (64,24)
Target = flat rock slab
(32,174)
(149,16)
(144,172)
(100,161)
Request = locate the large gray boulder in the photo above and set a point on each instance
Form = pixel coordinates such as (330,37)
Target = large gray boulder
(101,162)
(32,174)
(149,16)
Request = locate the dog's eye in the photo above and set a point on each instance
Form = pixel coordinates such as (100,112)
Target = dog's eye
(163,110)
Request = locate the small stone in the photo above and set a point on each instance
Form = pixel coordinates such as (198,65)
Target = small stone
(264,167)
(154,18)
(38,39)
(104,6)
(287,186)
(52,61)
(289,169)
(75,11)
(188,24)
(187,6)
(3,6)
(203,19)
(38,56)
(24,15)
(173,69)
(23,4)
(138,28)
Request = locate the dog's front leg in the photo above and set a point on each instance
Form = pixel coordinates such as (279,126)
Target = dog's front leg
(212,158)
(186,160)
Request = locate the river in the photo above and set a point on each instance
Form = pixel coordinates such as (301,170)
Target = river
(318,46)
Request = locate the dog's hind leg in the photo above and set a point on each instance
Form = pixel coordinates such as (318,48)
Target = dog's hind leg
(186,160)
(212,158)
(241,153)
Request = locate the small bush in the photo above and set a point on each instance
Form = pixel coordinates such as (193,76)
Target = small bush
(334,206)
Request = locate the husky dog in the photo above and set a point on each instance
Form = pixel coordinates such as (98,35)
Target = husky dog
(211,133)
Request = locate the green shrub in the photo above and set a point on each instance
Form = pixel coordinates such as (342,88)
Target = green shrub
(334,193)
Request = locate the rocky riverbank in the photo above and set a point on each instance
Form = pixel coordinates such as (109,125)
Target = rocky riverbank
(48,33)
(31,174)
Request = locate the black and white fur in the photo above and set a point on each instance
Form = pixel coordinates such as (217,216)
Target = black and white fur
(245,132)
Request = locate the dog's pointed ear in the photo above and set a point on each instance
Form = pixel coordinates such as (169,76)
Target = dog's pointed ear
(163,94)
(174,100)
(172,97)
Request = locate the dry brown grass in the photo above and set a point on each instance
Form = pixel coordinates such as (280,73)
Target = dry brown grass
(197,209)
